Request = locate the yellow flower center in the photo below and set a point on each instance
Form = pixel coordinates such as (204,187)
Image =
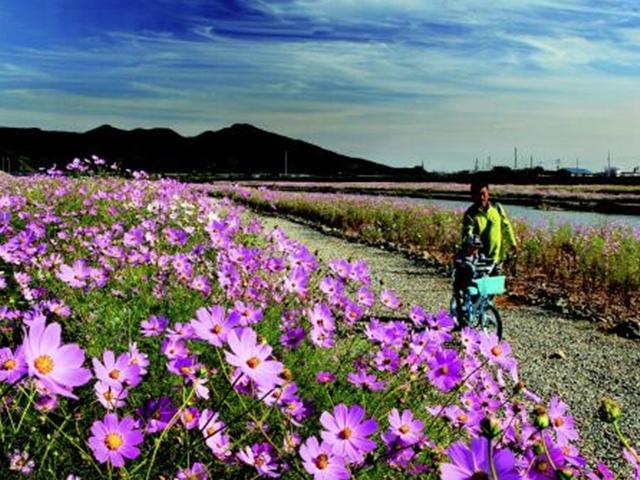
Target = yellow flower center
(558,421)
(345,434)
(444,369)
(253,362)
(542,466)
(108,395)
(113,441)
(9,364)
(322,461)
(404,429)
(216,329)
(497,351)
(44,364)
(114,374)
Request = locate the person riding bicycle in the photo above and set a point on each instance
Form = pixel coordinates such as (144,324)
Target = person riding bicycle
(465,264)
(489,221)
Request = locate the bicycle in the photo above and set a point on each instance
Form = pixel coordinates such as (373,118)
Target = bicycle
(478,309)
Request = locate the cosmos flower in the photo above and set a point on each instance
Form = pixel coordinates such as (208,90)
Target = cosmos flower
(445,370)
(347,432)
(197,471)
(154,326)
(253,358)
(213,326)
(12,365)
(114,440)
(473,462)
(405,427)
(320,461)
(59,368)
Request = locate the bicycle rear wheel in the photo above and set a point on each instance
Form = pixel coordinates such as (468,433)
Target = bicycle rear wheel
(490,321)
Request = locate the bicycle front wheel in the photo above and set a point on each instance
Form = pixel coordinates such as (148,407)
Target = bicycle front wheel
(491,321)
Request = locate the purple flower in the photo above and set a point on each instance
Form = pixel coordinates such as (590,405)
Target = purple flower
(325,377)
(20,462)
(117,373)
(347,432)
(157,414)
(389,299)
(12,365)
(57,367)
(263,457)
(76,275)
(154,326)
(252,358)
(212,326)
(405,427)
(320,461)
(197,471)
(473,462)
(113,440)
(562,424)
(110,396)
(213,431)
(499,353)
(445,370)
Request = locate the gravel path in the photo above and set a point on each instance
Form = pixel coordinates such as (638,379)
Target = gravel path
(590,365)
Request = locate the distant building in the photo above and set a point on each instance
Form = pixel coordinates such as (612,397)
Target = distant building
(576,172)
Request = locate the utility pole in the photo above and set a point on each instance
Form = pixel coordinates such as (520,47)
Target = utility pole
(286,166)
(609,161)
(476,167)
(531,162)
(577,163)
(489,162)
(515,158)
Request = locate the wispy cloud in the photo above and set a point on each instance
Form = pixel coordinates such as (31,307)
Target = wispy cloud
(395,81)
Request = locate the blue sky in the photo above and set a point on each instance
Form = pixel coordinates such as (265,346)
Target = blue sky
(398,82)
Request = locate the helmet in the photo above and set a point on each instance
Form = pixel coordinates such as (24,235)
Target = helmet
(473,241)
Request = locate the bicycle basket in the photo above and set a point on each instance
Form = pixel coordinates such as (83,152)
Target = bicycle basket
(491,285)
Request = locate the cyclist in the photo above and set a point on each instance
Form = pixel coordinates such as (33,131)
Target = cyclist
(488,220)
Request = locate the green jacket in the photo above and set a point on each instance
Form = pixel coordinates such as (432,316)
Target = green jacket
(490,225)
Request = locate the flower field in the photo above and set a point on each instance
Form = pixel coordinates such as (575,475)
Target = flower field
(149,330)
(594,270)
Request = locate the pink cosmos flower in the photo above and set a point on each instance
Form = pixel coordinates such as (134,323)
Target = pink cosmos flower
(562,423)
(117,373)
(389,299)
(445,370)
(59,368)
(110,396)
(320,461)
(347,432)
(197,471)
(473,462)
(12,365)
(252,358)
(212,326)
(113,440)
(76,275)
(405,427)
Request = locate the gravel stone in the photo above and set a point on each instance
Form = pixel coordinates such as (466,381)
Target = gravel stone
(592,365)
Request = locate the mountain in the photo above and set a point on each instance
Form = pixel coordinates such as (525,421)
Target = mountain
(240,148)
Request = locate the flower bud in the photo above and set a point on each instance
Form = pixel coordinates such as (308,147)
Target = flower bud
(540,417)
(490,427)
(564,474)
(609,411)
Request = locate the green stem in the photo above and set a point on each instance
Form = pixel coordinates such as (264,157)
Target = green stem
(625,441)
(492,466)
(165,431)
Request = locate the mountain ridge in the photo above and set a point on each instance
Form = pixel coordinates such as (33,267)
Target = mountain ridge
(240,148)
